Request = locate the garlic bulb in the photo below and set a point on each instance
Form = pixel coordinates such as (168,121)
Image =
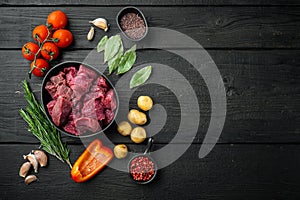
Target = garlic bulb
(100,23)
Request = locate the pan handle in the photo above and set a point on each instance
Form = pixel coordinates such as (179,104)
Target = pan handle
(149,145)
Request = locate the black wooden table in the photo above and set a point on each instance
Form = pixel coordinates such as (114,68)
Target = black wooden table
(255,45)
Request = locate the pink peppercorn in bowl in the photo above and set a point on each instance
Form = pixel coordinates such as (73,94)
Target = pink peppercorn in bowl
(142,168)
(78,100)
(132,23)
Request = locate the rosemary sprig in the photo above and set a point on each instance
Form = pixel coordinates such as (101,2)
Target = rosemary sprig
(42,129)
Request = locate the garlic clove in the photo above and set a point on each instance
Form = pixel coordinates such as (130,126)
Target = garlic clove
(33,161)
(29,179)
(41,157)
(24,169)
(100,23)
(91,33)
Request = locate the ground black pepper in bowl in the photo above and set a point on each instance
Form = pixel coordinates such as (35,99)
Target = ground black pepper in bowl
(132,23)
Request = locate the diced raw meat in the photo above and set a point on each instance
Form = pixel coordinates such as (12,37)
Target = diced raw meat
(99,110)
(96,92)
(101,82)
(82,101)
(84,124)
(82,84)
(89,109)
(109,115)
(71,128)
(89,72)
(55,81)
(51,88)
(70,75)
(63,91)
(61,110)
(50,106)
(58,79)
(109,101)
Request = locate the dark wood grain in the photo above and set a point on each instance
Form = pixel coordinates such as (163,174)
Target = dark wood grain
(262,95)
(212,27)
(150,2)
(228,172)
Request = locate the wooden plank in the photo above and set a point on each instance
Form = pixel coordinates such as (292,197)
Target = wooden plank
(228,172)
(262,95)
(212,27)
(148,2)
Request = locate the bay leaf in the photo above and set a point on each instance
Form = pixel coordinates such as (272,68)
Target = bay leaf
(112,46)
(140,76)
(101,44)
(127,60)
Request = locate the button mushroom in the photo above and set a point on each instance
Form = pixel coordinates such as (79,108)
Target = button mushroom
(120,151)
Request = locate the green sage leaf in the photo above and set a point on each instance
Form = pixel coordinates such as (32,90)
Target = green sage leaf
(101,44)
(140,77)
(112,46)
(127,60)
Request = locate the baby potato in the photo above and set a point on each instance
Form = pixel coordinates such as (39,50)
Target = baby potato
(145,103)
(138,135)
(124,128)
(137,117)
(120,151)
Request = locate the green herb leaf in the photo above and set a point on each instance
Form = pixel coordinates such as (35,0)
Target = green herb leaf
(140,77)
(112,46)
(127,60)
(101,44)
(114,62)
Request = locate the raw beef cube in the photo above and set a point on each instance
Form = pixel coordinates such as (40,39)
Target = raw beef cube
(70,75)
(82,84)
(61,110)
(51,88)
(89,109)
(64,91)
(101,82)
(84,124)
(109,101)
(50,106)
(89,72)
(99,110)
(109,115)
(58,79)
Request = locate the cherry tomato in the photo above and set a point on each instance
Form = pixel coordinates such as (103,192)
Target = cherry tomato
(29,50)
(63,37)
(40,67)
(50,51)
(40,33)
(58,19)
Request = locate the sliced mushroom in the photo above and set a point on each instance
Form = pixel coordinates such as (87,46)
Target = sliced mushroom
(33,161)
(29,179)
(41,157)
(24,169)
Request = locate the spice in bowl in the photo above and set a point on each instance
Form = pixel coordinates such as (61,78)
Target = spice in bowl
(142,169)
(132,22)
(133,25)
